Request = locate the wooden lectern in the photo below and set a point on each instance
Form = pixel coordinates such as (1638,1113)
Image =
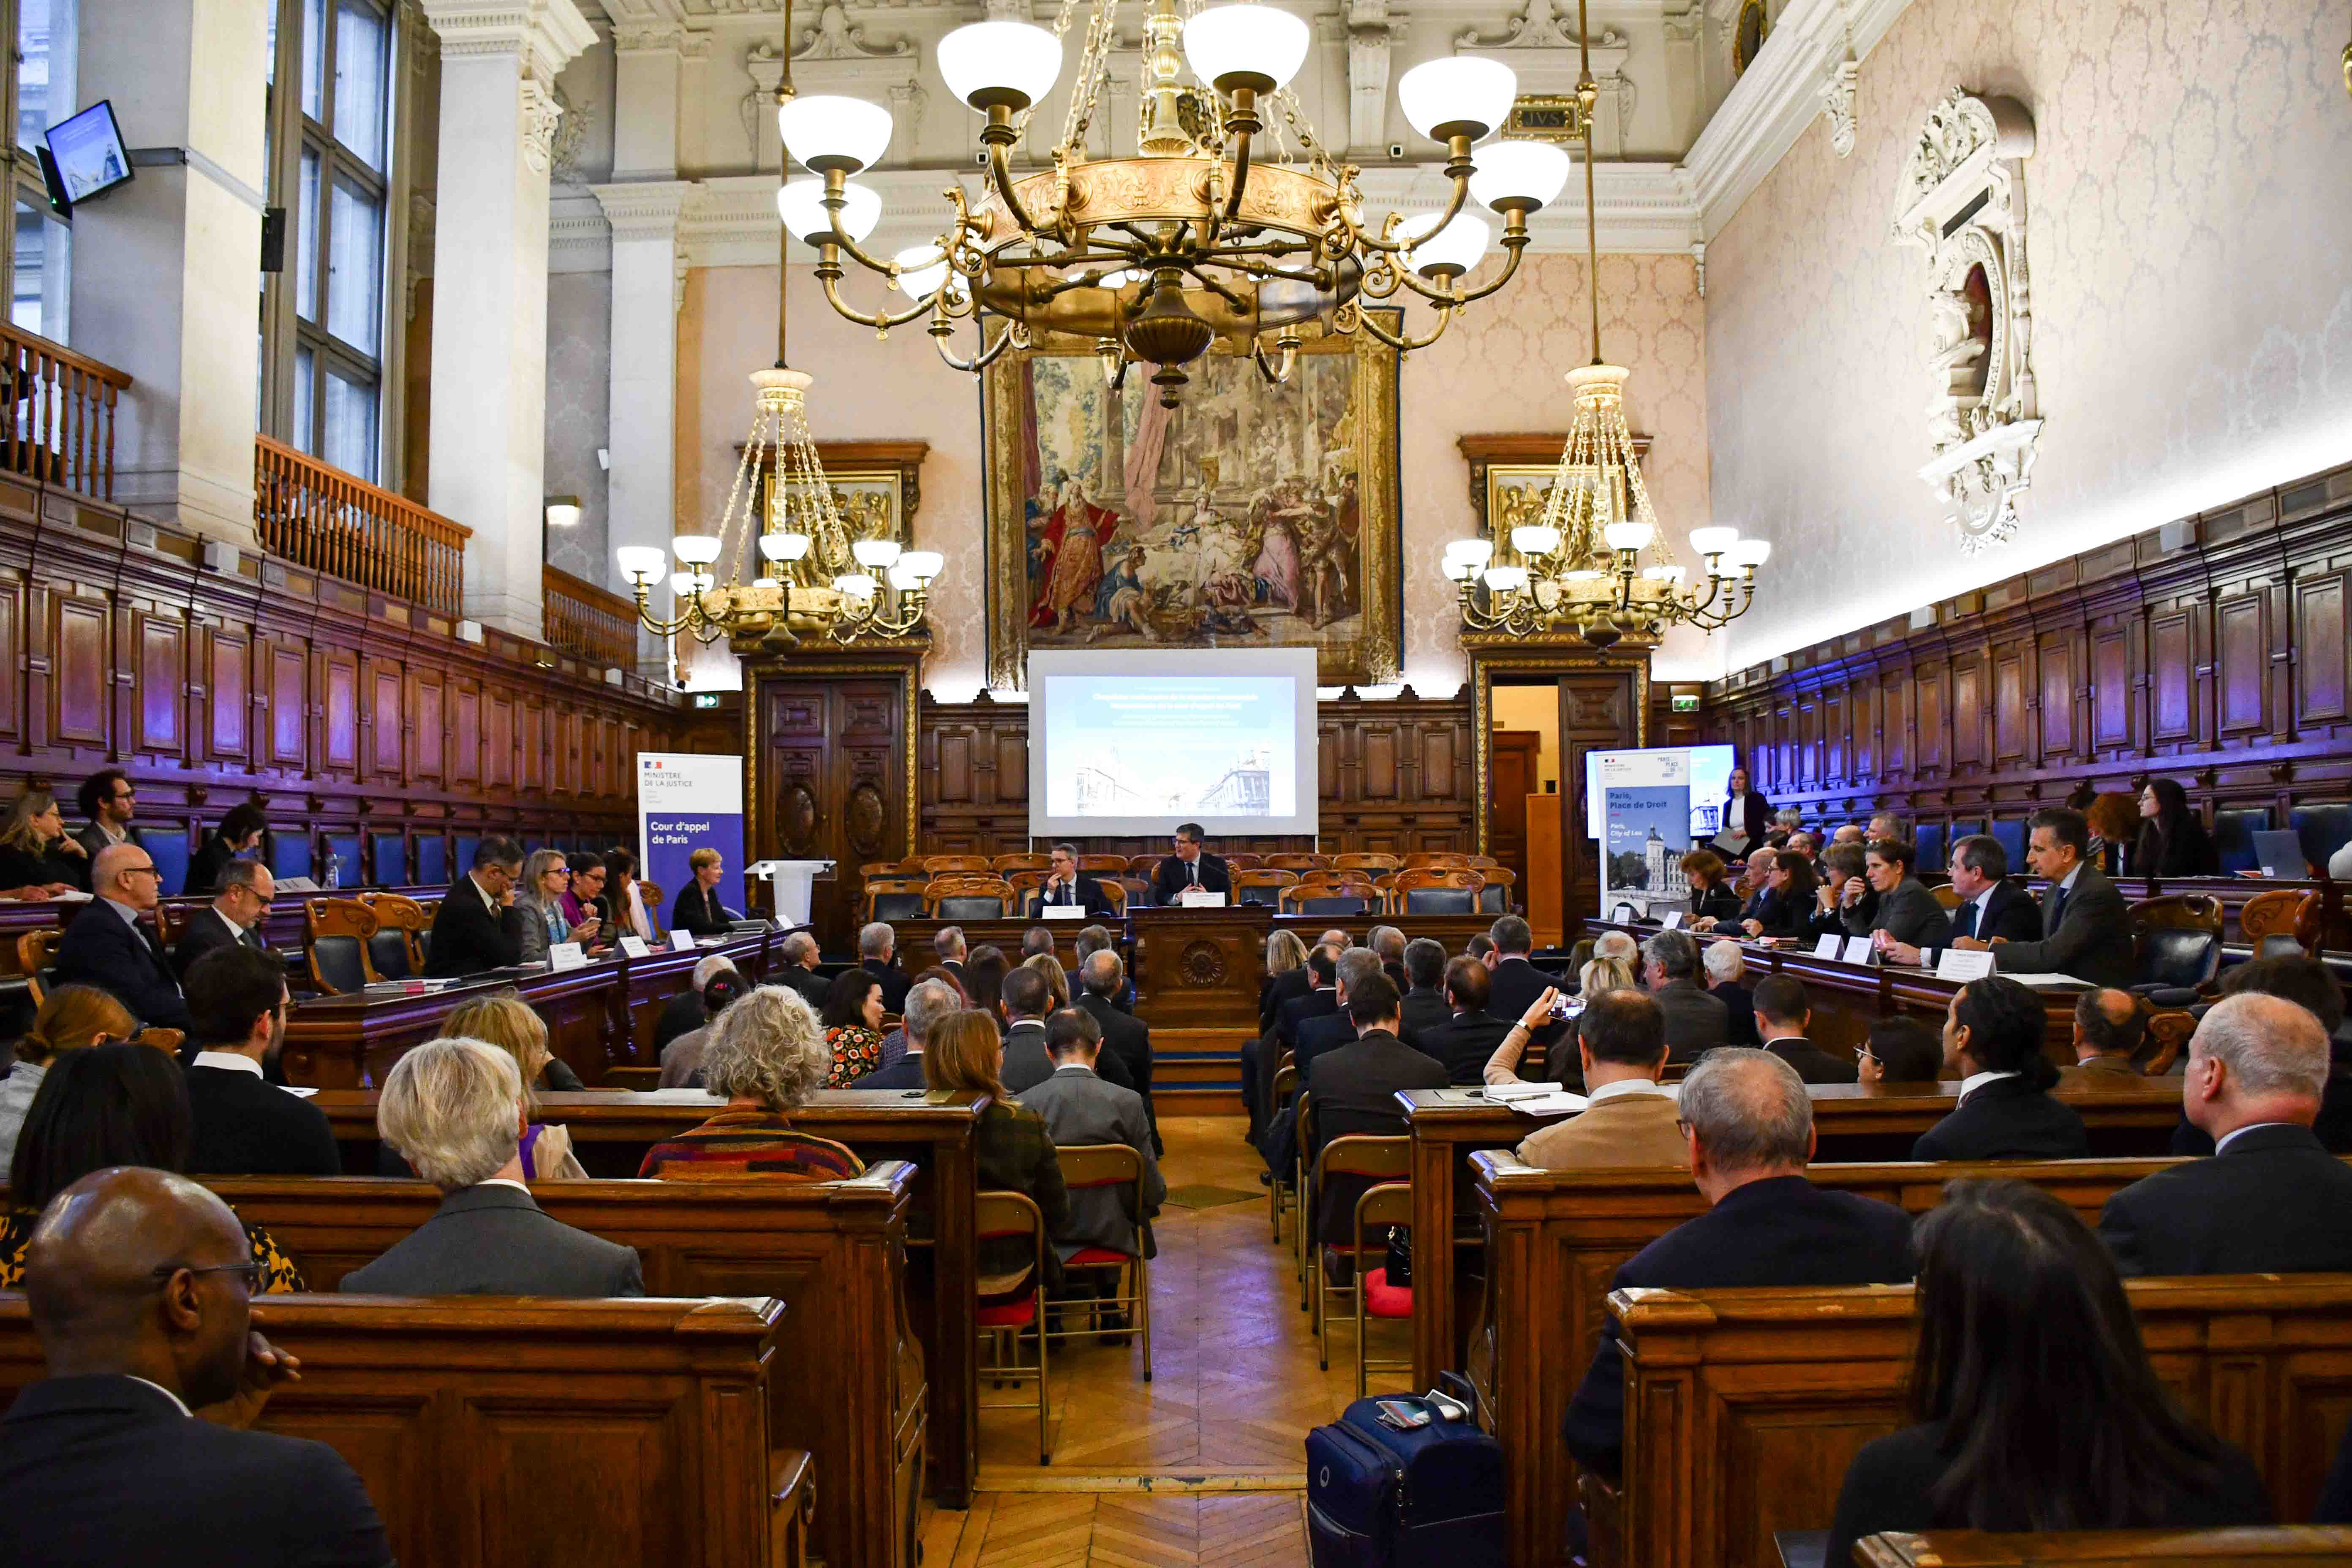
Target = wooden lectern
(1545,884)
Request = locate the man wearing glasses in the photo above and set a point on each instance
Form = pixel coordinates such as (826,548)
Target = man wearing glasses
(108,947)
(242,901)
(478,928)
(107,798)
(139,1286)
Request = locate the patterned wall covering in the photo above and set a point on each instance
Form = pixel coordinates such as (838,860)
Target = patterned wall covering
(2192,314)
(579,390)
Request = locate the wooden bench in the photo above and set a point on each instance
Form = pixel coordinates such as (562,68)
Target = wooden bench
(1743,1408)
(2107,1548)
(848,1382)
(538,1434)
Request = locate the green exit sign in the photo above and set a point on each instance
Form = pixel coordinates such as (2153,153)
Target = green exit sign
(1686,702)
(710,700)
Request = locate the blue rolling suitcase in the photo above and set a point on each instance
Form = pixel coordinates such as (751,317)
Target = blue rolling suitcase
(1380,1498)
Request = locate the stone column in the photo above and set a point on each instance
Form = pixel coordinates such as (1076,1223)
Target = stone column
(499,59)
(167,269)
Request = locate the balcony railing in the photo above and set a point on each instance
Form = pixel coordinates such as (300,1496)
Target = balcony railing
(581,618)
(61,422)
(331,521)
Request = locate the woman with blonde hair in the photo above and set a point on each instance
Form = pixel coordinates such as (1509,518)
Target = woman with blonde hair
(1610,967)
(965,1054)
(765,1059)
(38,858)
(1057,979)
(72,1018)
(505,1020)
(1286,951)
(546,877)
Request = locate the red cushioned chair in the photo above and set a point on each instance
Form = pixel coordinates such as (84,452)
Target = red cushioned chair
(1011,1303)
(1088,1165)
(1390,1202)
(1387,1160)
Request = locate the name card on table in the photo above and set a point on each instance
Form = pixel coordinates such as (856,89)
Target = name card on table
(566,955)
(681,941)
(1960,963)
(1200,899)
(1064,911)
(297,884)
(1857,950)
(1829,947)
(635,947)
(1673,921)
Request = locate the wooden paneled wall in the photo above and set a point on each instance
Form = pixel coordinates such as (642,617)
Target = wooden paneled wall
(343,712)
(2221,660)
(1395,777)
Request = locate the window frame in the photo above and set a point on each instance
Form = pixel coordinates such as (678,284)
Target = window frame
(25,181)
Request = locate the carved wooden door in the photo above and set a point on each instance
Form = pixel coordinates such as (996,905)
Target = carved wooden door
(833,782)
(1517,765)
(1600,710)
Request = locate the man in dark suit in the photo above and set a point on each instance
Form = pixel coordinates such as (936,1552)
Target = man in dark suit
(1094,938)
(1517,983)
(1696,1022)
(244,1125)
(107,799)
(1726,968)
(107,947)
(1354,1091)
(2313,986)
(928,1004)
(1080,1107)
(877,954)
(1424,1005)
(1028,1001)
(800,955)
(1189,867)
(1125,1039)
(2108,1030)
(2271,1199)
(478,928)
(232,920)
(1990,905)
(2086,925)
(134,1295)
(1322,999)
(1462,1043)
(1066,887)
(1783,1015)
(948,944)
(1750,1128)
(1317,1036)
(455,1111)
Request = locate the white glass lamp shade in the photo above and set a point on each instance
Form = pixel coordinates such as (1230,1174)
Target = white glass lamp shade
(1456,569)
(1450,251)
(1713,541)
(875,551)
(765,583)
(1010,64)
(1721,566)
(801,206)
(921,269)
(784,546)
(1535,539)
(684,583)
(1476,552)
(856,584)
(902,581)
(1521,174)
(641,562)
(696,549)
(827,130)
(1506,579)
(562,512)
(1459,95)
(922,565)
(1663,573)
(1257,47)
(1749,553)
(1627,535)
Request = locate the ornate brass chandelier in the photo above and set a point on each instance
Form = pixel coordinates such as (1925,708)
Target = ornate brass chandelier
(1196,239)
(1592,564)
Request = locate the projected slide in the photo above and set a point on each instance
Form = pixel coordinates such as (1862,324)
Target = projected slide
(1706,773)
(1137,742)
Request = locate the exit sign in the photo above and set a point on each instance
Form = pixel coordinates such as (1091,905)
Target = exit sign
(1686,702)
(710,700)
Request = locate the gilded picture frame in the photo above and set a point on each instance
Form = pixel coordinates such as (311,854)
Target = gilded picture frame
(1252,514)
(877,487)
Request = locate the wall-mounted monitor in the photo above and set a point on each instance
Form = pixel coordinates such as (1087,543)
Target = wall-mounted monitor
(84,157)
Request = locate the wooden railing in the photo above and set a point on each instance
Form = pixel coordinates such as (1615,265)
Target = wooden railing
(581,618)
(331,522)
(61,422)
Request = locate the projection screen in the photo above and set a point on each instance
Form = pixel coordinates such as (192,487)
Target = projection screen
(1134,741)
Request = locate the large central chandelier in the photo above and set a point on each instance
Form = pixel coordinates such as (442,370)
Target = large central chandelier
(1590,563)
(1200,237)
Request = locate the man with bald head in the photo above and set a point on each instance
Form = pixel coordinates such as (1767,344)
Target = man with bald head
(108,947)
(140,1285)
(2271,1199)
(2108,1029)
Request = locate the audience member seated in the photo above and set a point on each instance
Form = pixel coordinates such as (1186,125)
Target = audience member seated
(853,1027)
(1784,1015)
(546,878)
(1334,1030)
(877,954)
(2271,1199)
(766,1059)
(2108,1028)
(984,974)
(1080,1107)
(2086,928)
(930,1001)
(71,1018)
(1906,912)
(1037,941)
(1726,968)
(1621,1045)
(681,1060)
(964,1055)
(1614,965)
(796,968)
(1848,833)
(629,901)
(237,838)
(243,892)
(1992,1044)
(1806,844)
(1787,908)
(1389,943)
(140,1288)
(106,945)
(1842,894)
(1901,1050)
(456,1111)
(37,858)
(2312,986)
(110,1104)
(1354,1089)
(476,926)
(690,1010)
(509,1023)
(1190,866)
(1991,906)
(583,899)
(1125,1039)
(1424,1007)
(1285,977)
(893,1044)
(1749,889)
(2172,838)
(1886,824)
(1711,896)
(1066,887)
(1025,1061)
(1468,1039)
(948,945)
(2036,1406)
(1094,938)
(107,800)
(1057,979)
(1482,947)
(1322,999)
(697,908)
(1696,1022)
(1516,981)
(1748,1137)
(245,1125)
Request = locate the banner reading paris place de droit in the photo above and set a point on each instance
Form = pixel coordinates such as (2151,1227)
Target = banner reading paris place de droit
(688,801)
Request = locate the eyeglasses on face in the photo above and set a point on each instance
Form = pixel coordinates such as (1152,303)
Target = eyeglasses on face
(141,871)
(249,1272)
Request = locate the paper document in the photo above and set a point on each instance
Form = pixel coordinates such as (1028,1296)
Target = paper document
(1549,1104)
(2044,979)
(1064,911)
(300,1090)
(1509,1092)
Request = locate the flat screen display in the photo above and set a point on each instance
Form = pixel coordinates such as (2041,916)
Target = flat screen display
(86,155)
(1709,772)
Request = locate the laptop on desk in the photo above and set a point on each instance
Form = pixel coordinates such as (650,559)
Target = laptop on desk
(2278,853)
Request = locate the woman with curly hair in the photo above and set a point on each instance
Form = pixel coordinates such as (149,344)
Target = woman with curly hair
(765,1060)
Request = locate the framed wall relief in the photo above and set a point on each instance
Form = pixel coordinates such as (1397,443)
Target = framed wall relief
(875,485)
(1251,515)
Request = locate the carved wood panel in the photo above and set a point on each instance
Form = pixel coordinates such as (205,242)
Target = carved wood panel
(831,778)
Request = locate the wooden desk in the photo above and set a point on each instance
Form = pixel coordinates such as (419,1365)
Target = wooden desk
(936,1132)
(2282,1543)
(1853,1123)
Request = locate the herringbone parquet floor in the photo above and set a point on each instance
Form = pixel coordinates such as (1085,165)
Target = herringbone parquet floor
(1206,1463)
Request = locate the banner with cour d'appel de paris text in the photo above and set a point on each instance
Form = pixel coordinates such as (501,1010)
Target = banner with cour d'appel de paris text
(688,801)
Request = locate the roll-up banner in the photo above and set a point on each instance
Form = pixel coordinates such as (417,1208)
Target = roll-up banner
(688,801)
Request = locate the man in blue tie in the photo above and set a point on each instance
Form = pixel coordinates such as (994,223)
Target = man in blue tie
(1990,905)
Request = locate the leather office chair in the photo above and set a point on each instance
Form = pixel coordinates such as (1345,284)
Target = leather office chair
(335,934)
